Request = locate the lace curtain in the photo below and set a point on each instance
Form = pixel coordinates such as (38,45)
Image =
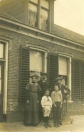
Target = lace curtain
(32,18)
(44,19)
(43,23)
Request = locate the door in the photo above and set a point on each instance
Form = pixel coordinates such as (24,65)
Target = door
(1,90)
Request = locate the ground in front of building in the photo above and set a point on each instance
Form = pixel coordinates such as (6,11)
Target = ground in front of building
(76,126)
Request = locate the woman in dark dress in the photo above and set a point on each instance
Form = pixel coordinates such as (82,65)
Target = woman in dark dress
(33,89)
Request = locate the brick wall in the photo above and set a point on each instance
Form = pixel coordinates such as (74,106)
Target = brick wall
(14,109)
(76,108)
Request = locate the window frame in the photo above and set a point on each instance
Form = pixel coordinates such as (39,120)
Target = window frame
(30,2)
(69,80)
(45,57)
(45,9)
(38,22)
(3,50)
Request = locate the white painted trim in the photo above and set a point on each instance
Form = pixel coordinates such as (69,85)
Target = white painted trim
(70,101)
(65,55)
(45,52)
(38,30)
(70,78)
(53,42)
(45,70)
(5,80)
(37,48)
(3,60)
(70,60)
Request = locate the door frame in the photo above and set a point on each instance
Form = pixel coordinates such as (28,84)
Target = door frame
(5,61)
(2,88)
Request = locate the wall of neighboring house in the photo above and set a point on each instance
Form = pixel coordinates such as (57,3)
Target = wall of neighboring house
(14,108)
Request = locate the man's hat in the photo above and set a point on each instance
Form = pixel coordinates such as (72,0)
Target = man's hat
(34,75)
(59,78)
(43,74)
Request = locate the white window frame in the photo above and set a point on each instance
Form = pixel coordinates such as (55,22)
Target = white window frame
(69,79)
(5,60)
(45,57)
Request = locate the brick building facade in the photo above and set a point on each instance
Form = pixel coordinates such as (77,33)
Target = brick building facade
(25,36)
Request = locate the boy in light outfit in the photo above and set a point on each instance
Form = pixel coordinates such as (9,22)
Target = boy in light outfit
(46,103)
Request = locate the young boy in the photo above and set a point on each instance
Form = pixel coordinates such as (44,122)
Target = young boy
(57,104)
(46,103)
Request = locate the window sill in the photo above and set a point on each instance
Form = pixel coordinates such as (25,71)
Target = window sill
(70,101)
(3,60)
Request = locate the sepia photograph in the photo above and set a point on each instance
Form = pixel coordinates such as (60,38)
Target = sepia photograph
(41,65)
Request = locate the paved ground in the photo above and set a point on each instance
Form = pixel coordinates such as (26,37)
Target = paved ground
(77,126)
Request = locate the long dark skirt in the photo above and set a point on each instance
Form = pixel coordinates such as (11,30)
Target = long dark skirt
(31,113)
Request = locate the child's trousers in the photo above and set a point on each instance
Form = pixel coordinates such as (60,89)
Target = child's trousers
(56,113)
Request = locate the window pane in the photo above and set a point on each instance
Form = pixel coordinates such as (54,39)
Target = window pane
(36,61)
(1,50)
(45,4)
(35,1)
(32,14)
(44,19)
(63,66)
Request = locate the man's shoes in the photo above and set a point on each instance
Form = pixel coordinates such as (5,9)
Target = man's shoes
(49,125)
(55,125)
(60,123)
(35,125)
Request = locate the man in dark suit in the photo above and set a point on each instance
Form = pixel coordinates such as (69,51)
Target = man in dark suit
(63,88)
(44,85)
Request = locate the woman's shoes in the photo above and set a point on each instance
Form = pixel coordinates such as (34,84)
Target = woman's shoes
(58,125)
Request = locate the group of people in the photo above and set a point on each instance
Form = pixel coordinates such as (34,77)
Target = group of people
(41,101)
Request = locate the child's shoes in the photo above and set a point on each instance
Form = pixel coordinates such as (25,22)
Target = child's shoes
(55,125)
(45,125)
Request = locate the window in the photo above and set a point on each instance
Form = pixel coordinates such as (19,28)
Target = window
(44,14)
(32,61)
(37,61)
(38,9)
(63,66)
(35,1)
(45,4)
(33,13)
(44,19)
(64,70)
(1,51)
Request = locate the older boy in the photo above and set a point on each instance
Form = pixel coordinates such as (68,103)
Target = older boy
(57,104)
